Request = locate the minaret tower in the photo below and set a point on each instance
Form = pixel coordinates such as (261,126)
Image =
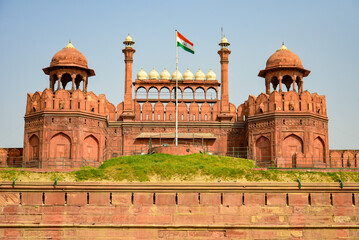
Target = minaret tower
(128,111)
(224,54)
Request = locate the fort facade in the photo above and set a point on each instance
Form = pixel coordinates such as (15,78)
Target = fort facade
(68,126)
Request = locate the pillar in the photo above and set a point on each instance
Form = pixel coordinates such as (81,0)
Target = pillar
(128,51)
(294,78)
(73,76)
(268,85)
(85,83)
(280,83)
(52,83)
(59,81)
(224,54)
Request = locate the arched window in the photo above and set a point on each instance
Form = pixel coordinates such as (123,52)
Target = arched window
(79,82)
(287,81)
(153,93)
(165,93)
(211,94)
(141,93)
(179,93)
(199,93)
(274,82)
(66,78)
(188,93)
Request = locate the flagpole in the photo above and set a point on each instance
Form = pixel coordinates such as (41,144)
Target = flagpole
(176,92)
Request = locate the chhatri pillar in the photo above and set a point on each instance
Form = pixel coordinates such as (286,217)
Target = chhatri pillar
(128,110)
(224,54)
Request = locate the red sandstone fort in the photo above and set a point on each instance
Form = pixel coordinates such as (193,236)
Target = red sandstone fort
(67,126)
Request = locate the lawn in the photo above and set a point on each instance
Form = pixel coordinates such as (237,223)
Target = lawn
(171,168)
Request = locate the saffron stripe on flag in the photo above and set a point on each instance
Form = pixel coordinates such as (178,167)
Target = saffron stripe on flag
(183,38)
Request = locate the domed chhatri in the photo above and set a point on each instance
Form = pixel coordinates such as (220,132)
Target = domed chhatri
(211,75)
(165,75)
(142,75)
(188,75)
(69,56)
(179,75)
(224,42)
(128,41)
(199,75)
(153,75)
(283,57)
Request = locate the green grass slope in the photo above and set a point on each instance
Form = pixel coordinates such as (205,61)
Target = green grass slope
(171,168)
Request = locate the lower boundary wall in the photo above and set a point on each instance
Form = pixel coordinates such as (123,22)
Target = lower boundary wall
(179,211)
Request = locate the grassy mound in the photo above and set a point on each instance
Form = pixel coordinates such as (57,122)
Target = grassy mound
(170,168)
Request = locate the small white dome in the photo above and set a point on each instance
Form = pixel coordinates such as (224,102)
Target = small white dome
(128,38)
(211,75)
(199,75)
(165,75)
(224,40)
(179,75)
(153,74)
(142,75)
(188,75)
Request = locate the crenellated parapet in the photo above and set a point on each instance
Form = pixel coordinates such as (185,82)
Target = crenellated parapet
(63,100)
(286,102)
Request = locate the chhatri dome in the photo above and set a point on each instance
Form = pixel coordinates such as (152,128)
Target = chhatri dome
(283,58)
(69,56)
(199,75)
(165,75)
(188,75)
(179,75)
(211,75)
(153,75)
(142,75)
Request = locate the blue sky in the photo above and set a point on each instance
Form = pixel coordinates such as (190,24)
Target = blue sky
(324,34)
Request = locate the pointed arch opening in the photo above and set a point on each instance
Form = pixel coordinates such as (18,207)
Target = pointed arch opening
(263,152)
(34,147)
(91,148)
(60,146)
(292,146)
(319,150)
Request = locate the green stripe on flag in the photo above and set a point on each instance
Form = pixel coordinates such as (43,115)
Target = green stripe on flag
(185,48)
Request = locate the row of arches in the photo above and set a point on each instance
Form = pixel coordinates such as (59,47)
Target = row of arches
(63,78)
(286,82)
(344,159)
(292,150)
(60,147)
(183,93)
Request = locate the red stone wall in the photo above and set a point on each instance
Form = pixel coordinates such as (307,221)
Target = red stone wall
(216,211)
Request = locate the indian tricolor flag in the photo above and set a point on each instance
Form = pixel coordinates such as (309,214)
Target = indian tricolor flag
(184,43)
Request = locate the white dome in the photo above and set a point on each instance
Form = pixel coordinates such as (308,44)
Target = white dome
(142,75)
(153,74)
(188,75)
(211,75)
(128,38)
(199,75)
(224,40)
(165,75)
(179,75)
